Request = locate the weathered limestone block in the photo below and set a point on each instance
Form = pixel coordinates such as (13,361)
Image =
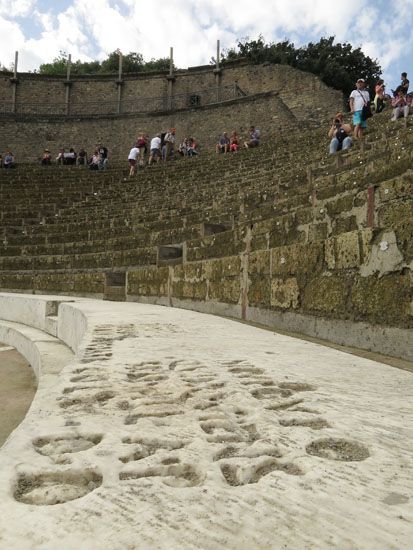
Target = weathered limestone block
(389,214)
(89,283)
(326,295)
(54,282)
(16,281)
(216,270)
(383,257)
(151,281)
(385,300)
(259,288)
(303,260)
(285,293)
(226,291)
(347,250)
(400,187)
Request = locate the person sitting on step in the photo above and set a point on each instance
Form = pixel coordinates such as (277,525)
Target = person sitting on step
(401,105)
(340,134)
(192,147)
(46,159)
(223,144)
(254,138)
(81,158)
(233,142)
(8,161)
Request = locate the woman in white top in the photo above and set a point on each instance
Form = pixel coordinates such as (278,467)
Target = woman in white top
(132,158)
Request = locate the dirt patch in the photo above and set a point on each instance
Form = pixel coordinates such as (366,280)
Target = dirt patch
(17,388)
(338,449)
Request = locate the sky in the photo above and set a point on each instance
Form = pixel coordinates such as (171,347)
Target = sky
(91,29)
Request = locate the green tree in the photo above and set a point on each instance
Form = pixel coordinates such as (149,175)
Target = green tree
(338,65)
(132,62)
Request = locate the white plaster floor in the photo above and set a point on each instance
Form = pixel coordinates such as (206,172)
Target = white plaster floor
(173,429)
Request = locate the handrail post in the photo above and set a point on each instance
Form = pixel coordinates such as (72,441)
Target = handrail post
(68,84)
(14,81)
(217,73)
(171,79)
(119,83)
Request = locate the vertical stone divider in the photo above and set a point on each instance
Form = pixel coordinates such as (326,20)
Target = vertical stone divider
(171,79)
(119,84)
(310,179)
(14,81)
(245,256)
(370,206)
(169,284)
(68,84)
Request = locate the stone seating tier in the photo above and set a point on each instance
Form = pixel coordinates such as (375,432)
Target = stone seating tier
(283,229)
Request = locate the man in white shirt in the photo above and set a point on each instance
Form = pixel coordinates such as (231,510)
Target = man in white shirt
(155,152)
(133,155)
(358,98)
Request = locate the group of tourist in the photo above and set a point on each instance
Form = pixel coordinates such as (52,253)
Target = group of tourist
(231,144)
(341,134)
(98,161)
(161,147)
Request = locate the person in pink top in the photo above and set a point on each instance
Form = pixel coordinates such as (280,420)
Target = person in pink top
(379,96)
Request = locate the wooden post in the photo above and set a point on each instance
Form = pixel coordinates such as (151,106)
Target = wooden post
(119,83)
(217,73)
(14,82)
(68,83)
(171,79)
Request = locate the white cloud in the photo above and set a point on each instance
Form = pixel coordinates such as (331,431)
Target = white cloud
(16,8)
(95,28)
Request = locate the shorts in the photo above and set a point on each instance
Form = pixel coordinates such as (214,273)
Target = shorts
(132,162)
(156,152)
(358,120)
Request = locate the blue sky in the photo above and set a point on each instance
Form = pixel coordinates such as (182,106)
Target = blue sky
(90,29)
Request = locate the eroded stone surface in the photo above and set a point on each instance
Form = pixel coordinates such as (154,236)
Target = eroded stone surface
(168,422)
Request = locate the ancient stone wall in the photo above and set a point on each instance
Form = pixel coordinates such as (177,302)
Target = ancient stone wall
(277,96)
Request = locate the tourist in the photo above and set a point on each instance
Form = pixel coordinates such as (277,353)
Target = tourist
(132,159)
(233,142)
(69,158)
(60,156)
(81,158)
(183,147)
(46,159)
(401,105)
(95,161)
(223,144)
(155,152)
(169,141)
(339,134)
(379,96)
(104,157)
(141,145)
(359,98)
(192,148)
(8,161)
(403,86)
(254,138)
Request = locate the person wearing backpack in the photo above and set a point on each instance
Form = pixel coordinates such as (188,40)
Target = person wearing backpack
(359,98)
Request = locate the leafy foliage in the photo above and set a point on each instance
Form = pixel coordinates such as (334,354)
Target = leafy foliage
(338,65)
(133,62)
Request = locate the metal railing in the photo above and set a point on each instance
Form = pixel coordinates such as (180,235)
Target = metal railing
(140,105)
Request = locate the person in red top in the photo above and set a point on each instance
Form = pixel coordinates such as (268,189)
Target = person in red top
(233,142)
